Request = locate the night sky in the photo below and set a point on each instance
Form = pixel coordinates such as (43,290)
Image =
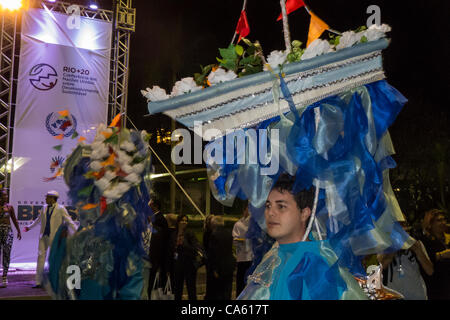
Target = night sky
(174,37)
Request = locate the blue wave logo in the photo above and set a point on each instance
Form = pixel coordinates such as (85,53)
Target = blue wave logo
(43,77)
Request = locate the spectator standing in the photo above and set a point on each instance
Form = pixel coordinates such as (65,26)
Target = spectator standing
(244,254)
(433,227)
(206,236)
(402,270)
(6,235)
(158,246)
(221,260)
(172,223)
(146,238)
(186,245)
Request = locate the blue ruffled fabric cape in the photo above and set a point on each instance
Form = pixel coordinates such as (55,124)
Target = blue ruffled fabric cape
(348,154)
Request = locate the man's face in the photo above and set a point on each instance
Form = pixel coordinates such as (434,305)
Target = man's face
(285,222)
(49,200)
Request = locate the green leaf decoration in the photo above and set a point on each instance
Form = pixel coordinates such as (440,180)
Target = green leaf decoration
(296,44)
(239,50)
(114,139)
(250,69)
(75,134)
(229,58)
(86,191)
(364,39)
(228,53)
(137,159)
(58,147)
(291,57)
(362,28)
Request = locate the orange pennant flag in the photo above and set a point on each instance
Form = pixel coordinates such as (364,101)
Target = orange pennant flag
(89,206)
(81,139)
(316,28)
(115,121)
(109,161)
(64,113)
(59,137)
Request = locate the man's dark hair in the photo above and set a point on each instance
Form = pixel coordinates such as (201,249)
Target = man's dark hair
(303,198)
(156,203)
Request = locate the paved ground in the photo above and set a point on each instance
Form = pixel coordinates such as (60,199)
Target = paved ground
(20,287)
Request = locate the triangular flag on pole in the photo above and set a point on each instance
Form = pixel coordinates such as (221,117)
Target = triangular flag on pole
(116,121)
(242,28)
(291,6)
(316,28)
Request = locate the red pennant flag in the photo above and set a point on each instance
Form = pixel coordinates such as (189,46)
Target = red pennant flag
(242,28)
(291,6)
(103,205)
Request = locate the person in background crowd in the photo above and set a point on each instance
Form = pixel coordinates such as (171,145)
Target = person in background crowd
(158,249)
(402,270)
(221,260)
(185,245)
(206,236)
(172,224)
(6,234)
(434,227)
(244,254)
(55,215)
(146,238)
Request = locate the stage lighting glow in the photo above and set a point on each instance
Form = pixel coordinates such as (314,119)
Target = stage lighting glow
(93,6)
(10,4)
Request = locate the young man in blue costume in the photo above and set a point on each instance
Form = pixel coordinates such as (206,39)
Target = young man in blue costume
(294,269)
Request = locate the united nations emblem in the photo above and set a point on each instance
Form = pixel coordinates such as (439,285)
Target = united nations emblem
(57,124)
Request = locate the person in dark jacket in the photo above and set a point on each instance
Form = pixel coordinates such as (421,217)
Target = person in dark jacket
(206,235)
(158,246)
(434,227)
(186,245)
(221,260)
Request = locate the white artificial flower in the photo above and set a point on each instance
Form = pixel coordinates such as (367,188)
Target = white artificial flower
(376,32)
(109,175)
(126,168)
(102,184)
(99,150)
(128,146)
(98,136)
(316,48)
(116,191)
(276,58)
(122,157)
(183,86)
(155,94)
(348,39)
(95,165)
(221,75)
(133,178)
(138,168)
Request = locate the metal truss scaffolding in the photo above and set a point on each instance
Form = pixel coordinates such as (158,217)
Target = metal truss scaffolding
(123,19)
(124,24)
(8,73)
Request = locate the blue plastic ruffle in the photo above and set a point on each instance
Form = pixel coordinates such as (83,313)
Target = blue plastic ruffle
(346,155)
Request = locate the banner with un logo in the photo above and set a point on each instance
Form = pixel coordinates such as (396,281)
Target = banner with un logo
(62,95)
